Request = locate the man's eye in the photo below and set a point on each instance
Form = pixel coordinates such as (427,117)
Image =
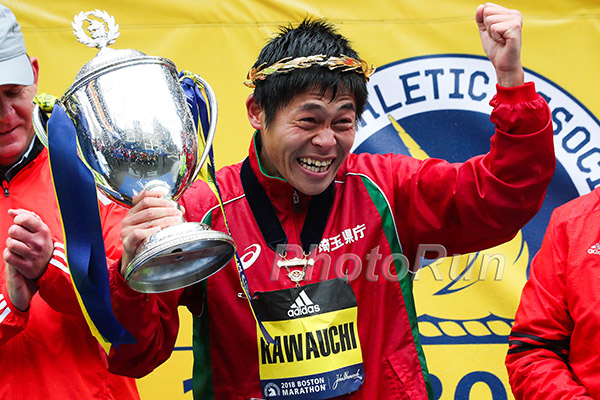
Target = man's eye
(344,123)
(14,92)
(308,123)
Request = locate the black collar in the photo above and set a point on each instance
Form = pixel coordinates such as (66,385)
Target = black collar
(7,173)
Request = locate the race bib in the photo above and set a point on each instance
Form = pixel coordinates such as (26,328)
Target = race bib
(317,355)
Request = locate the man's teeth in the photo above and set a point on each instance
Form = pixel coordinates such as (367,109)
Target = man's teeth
(315,165)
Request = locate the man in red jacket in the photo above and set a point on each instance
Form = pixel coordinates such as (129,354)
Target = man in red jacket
(555,342)
(46,347)
(324,236)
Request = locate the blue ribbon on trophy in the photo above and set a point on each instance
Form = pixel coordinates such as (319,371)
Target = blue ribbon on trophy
(78,203)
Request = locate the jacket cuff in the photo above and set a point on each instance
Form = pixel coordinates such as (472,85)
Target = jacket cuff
(58,260)
(118,284)
(9,311)
(517,94)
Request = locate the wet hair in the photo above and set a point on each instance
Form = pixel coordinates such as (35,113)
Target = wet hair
(309,38)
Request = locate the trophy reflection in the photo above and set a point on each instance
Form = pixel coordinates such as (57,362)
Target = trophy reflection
(135,132)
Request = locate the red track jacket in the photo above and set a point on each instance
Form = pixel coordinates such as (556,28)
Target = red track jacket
(383,205)
(555,341)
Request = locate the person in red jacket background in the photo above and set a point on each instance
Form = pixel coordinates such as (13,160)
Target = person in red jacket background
(46,348)
(325,236)
(554,344)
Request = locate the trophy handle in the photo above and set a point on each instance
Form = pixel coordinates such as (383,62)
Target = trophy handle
(39,126)
(39,119)
(213,110)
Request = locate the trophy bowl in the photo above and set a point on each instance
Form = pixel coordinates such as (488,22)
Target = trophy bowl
(135,132)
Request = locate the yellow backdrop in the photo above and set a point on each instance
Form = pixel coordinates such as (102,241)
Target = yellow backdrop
(220,40)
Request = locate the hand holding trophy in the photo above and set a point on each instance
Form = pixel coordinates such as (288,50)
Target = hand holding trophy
(136,132)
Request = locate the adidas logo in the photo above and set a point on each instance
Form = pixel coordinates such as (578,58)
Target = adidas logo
(303,306)
(595,249)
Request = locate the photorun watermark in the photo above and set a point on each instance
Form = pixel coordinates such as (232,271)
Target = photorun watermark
(394,266)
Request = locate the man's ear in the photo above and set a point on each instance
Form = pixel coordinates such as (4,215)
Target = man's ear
(256,115)
(35,66)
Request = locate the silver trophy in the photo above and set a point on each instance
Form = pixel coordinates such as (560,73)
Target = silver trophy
(135,132)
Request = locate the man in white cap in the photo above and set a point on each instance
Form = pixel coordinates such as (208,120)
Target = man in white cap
(46,347)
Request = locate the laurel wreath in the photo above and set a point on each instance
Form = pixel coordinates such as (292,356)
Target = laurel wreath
(288,64)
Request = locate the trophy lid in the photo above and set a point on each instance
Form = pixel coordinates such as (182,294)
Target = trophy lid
(105,58)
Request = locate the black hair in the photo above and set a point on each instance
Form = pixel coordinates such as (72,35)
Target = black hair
(309,38)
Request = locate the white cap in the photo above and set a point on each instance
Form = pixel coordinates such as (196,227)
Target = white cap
(15,68)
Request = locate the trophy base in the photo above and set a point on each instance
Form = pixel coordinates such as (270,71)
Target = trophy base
(178,256)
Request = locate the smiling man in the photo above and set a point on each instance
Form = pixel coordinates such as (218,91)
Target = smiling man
(324,236)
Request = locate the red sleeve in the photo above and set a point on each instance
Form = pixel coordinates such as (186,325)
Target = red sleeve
(537,360)
(484,201)
(55,285)
(152,319)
